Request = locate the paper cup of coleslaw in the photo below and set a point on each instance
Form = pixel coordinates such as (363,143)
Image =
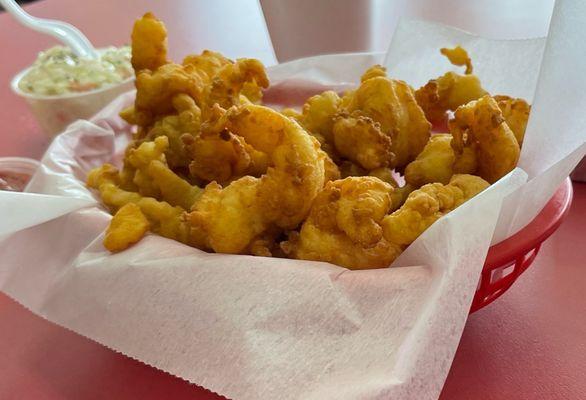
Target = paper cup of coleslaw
(55,112)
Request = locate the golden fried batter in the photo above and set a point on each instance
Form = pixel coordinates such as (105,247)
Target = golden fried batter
(233,216)
(426,205)
(438,162)
(209,62)
(155,90)
(164,219)
(516,114)
(223,157)
(373,72)
(391,103)
(458,56)
(186,120)
(149,43)
(480,125)
(127,227)
(343,226)
(229,82)
(318,115)
(268,174)
(450,90)
(360,140)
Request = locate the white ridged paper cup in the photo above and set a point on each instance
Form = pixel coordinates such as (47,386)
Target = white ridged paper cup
(55,113)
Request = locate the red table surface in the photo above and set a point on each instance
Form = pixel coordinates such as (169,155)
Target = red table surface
(529,344)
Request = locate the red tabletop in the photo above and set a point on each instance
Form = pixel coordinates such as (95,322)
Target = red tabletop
(530,344)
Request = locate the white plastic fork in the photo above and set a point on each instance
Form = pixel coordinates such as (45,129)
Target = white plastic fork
(66,33)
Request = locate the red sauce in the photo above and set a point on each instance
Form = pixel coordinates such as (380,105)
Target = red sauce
(13,181)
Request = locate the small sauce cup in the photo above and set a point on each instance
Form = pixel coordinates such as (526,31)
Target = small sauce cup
(16,172)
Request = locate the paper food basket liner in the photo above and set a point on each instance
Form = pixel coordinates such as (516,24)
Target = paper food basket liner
(266,328)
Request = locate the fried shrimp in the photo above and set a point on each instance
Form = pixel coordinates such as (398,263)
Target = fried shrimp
(450,90)
(426,205)
(480,125)
(343,226)
(391,103)
(233,216)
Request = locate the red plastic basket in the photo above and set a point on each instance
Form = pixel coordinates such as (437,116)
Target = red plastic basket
(507,260)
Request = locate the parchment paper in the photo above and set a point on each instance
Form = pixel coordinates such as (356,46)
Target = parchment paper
(264,328)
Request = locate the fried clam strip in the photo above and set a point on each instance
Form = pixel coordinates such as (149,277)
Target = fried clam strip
(426,205)
(391,103)
(127,227)
(450,90)
(516,113)
(151,176)
(233,217)
(149,43)
(480,125)
(163,218)
(343,226)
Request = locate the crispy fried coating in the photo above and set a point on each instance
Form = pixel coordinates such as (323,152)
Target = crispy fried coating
(229,82)
(343,226)
(138,160)
(155,90)
(458,56)
(149,173)
(233,216)
(373,72)
(149,43)
(268,174)
(174,190)
(318,114)
(360,140)
(127,227)
(185,120)
(164,219)
(209,62)
(426,205)
(481,126)
(438,162)
(450,90)
(392,104)
(223,157)
(516,113)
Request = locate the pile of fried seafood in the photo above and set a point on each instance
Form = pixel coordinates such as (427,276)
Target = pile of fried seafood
(212,168)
